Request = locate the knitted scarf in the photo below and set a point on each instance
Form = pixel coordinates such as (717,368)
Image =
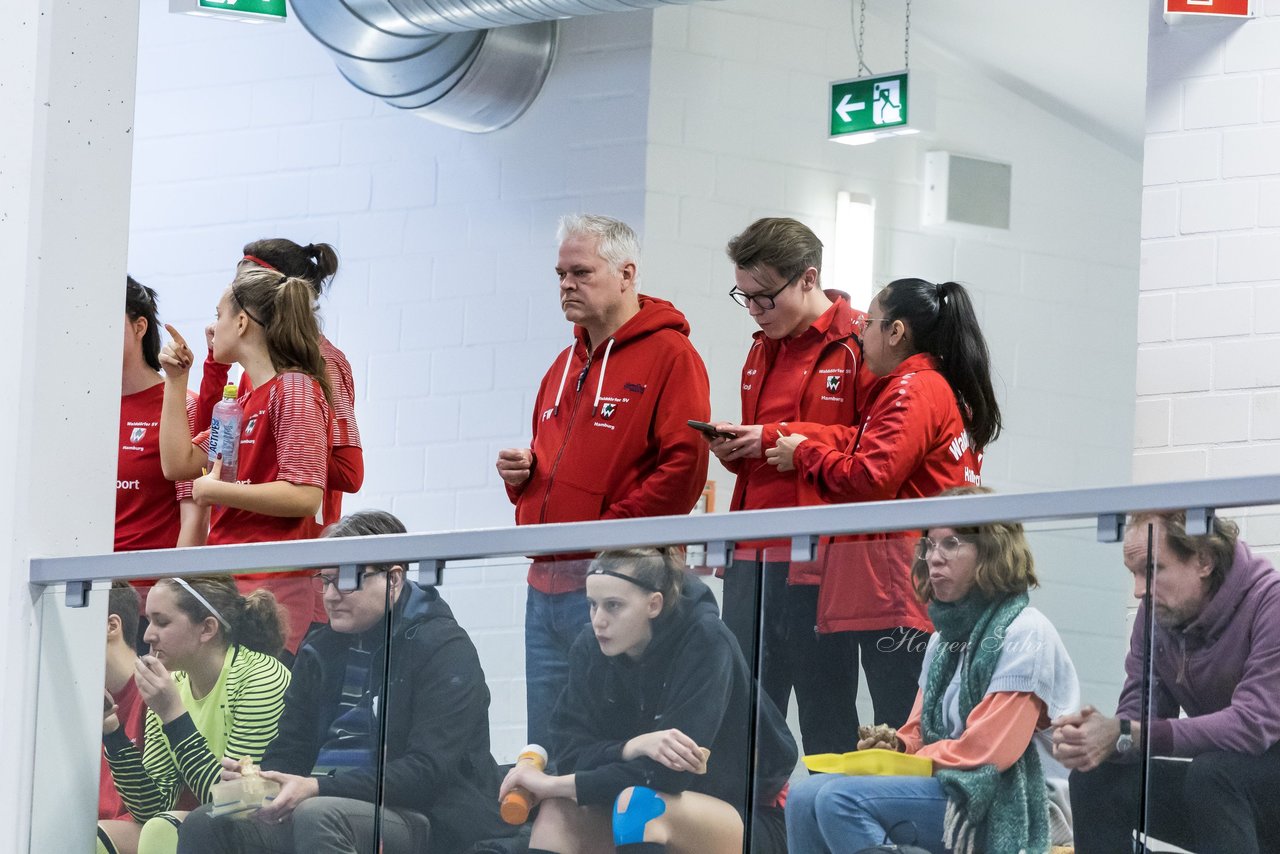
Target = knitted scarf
(987,811)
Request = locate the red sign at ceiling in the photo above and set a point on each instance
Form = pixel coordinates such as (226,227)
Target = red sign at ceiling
(1237,8)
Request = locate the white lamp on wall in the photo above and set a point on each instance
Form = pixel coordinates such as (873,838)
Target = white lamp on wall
(850,258)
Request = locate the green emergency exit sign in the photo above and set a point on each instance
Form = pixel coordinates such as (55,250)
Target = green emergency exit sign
(253,11)
(266,8)
(865,106)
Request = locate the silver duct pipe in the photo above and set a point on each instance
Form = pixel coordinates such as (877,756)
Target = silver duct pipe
(474,65)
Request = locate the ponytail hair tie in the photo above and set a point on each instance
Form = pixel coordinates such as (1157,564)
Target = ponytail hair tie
(940,289)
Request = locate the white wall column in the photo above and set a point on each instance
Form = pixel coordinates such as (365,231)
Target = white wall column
(65,161)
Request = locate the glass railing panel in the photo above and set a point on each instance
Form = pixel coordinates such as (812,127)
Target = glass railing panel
(439,777)
(198,679)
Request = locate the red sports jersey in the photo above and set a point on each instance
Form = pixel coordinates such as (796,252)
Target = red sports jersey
(346,461)
(284,436)
(146,503)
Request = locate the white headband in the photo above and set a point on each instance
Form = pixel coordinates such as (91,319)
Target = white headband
(203,601)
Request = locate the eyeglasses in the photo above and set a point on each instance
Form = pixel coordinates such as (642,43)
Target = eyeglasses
(946,547)
(764,302)
(867,321)
(322,582)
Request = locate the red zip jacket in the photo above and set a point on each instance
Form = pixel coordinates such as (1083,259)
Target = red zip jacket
(811,377)
(912,444)
(609,434)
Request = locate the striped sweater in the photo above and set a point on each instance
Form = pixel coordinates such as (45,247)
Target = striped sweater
(179,756)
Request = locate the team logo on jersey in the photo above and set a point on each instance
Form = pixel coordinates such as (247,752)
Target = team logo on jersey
(606,411)
(833,383)
(137,434)
(248,427)
(547,413)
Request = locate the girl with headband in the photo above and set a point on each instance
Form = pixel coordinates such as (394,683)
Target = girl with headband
(651,735)
(266,322)
(316,264)
(213,689)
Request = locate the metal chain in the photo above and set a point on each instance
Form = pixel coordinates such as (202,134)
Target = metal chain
(860,35)
(906,45)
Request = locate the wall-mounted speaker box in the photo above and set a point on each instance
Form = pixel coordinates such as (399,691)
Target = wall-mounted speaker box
(967,190)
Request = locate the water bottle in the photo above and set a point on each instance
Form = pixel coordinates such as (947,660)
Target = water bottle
(224,433)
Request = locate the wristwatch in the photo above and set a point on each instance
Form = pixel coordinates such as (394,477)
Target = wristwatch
(1125,742)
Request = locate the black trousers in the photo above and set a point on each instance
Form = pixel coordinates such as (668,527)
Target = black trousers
(1217,802)
(784,648)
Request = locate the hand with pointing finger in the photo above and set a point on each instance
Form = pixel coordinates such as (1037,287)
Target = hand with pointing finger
(176,357)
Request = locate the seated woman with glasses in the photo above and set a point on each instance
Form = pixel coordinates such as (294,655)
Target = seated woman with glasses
(213,688)
(995,673)
(650,737)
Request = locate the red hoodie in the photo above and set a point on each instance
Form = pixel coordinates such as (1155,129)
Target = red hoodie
(609,434)
(912,444)
(811,377)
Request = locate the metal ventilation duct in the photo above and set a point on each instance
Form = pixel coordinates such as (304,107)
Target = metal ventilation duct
(475,65)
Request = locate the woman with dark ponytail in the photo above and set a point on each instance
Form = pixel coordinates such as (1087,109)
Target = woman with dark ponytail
(316,264)
(932,412)
(213,688)
(266,322)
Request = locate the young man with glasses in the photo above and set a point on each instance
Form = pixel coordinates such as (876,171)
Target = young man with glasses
(414,722)
(803,365)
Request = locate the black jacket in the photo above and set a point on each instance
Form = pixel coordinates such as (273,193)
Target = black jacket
(437,729)
(692,677)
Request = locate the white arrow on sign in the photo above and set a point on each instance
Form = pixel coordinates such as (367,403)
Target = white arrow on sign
(847,106)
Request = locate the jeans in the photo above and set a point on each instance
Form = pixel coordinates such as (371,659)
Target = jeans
(551,624)
(835,814)
(1216,802)
(318,826)
(779,640)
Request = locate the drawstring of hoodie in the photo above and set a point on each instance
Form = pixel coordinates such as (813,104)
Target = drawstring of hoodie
(604,366)
(564,377)
(555,410)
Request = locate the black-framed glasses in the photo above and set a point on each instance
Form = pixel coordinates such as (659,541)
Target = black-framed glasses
(946,547)
(323,582)
(764,302)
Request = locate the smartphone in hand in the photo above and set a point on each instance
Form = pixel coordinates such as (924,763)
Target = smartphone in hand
(710,431)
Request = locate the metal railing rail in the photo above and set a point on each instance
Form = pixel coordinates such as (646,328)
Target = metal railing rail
(718,531)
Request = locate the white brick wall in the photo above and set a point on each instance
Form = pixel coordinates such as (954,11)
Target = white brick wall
(1207,358)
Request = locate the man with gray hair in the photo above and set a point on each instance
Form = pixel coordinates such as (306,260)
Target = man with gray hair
(610,439)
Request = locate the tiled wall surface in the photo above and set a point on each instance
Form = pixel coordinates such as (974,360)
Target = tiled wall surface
(1209,310)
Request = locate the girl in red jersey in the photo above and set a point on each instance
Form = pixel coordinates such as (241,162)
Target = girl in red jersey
(266,323)
(932,411)
(151,511)
(317,264)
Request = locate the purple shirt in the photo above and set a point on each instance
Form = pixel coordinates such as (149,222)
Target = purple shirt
(1222,669)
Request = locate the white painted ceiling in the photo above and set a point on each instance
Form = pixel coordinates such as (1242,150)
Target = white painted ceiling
(1085,60)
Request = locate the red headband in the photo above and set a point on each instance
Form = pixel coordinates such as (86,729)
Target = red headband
(255,259)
